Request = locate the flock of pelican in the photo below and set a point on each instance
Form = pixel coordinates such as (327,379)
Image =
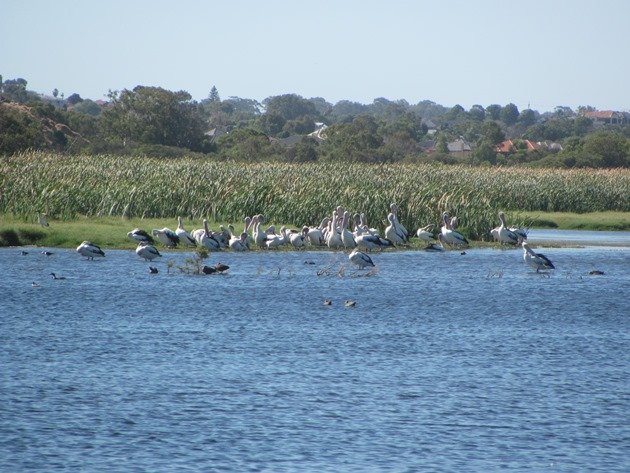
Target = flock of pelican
(341,231)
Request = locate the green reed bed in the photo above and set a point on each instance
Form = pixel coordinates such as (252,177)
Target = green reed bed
(69,186)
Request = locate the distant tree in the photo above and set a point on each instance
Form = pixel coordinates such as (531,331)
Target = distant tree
(494,111)
(428,109)
(153,115)
(289,106)
(509,114)
(304,152)
(271,123)
(612,148)
(527,117)
(322,107)
(357,141)
(477,113)
(485,152)
(87,107)
(74,99)
(441,145)
(582,109)
(492,133)
(387,110)
(245,145)
(299,126)
(346,111)
(408,124)
(55,92)
(582,125)
(213,96)
(15,90)
(457,112)
(19,130)
(563,112)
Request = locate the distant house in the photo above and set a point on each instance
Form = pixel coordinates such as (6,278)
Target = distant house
(431,127)
(511,146)
(319,134)
(428,146)
(216,132)
(550,145)
(607,117)
(459,147)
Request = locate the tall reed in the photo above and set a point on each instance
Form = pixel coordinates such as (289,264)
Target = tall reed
(66,187)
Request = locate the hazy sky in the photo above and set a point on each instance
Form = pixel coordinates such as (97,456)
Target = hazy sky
(538,52)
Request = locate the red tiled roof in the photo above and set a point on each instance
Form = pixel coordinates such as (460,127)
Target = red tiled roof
(600,114)
(508,146)
(505,146)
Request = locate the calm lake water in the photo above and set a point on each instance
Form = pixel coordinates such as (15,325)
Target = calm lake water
(448,362)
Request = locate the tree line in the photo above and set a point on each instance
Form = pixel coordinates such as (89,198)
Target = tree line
(153,121)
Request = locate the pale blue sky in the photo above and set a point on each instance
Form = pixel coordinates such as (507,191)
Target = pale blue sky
(539,52)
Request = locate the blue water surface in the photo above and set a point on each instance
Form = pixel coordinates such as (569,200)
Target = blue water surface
(448,362)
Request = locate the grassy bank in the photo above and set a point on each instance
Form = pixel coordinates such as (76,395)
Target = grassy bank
(111,232)
(612,221)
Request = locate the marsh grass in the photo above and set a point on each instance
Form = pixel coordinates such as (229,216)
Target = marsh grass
(100,198)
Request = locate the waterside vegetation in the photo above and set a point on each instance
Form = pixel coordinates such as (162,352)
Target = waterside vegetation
(87,192)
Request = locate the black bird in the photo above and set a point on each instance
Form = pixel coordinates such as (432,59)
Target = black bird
(24,253)
(208,270)
(47,253)
(54,276)
(153,270)
(220,267)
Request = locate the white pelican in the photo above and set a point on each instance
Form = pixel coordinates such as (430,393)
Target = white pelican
(393,233)
(366,228)
(298,239)
(274,241)
(167,236)
(205,237)
(434,246)
(400,228)
(425,233)
(247,226)
(316,235)
(505,235)
(184,237)
(89,250)
(450,236)
(147,251)
(137,234)
(369,242)
(42,219)
(495,233)
(223,236)
(347,238)
(239,243)
(537,261)
(333,236)
(361,259)
(259,235)
(519,232)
